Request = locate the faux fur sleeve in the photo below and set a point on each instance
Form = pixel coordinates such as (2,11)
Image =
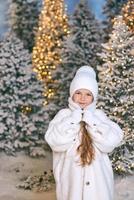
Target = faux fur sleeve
(106,134)
(61,132)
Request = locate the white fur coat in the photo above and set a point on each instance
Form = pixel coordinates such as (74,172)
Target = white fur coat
(73,182)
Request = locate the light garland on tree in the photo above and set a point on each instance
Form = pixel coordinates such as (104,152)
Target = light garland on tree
(117,73)
(128,14)
(26,109)
(46,57)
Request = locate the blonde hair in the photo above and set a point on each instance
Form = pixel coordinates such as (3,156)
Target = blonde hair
(85,149)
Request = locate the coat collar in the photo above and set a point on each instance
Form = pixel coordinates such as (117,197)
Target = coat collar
(72,105)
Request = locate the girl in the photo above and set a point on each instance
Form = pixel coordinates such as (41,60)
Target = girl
(80,137)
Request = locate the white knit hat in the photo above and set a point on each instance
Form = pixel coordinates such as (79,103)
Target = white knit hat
(85,78)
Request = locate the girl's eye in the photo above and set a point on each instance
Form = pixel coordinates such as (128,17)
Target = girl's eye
(89,94)
(77,93)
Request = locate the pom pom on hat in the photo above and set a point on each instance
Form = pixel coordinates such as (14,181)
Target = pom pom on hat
(85,78)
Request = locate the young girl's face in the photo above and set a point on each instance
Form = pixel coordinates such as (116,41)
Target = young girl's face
(83,97)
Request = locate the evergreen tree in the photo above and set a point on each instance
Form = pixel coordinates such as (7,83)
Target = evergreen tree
(85,39)
(117,89)
(52,28)
(111,9)
(22,113)
(23,19)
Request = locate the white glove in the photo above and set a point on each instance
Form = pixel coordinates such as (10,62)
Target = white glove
(90,118)
(76,115)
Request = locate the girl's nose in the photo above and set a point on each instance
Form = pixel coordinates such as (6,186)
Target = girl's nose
(82,97)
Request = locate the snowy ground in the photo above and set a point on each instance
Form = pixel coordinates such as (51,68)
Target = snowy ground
(13,169)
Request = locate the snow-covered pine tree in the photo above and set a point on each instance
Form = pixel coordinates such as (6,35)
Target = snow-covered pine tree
(85,38)
(111,9)
(23,19)
(22,112)
(116,78)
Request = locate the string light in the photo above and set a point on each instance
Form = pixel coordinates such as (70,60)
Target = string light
(26,109)
(128,14)
(53,26)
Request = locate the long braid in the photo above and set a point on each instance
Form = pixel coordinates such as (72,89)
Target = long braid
(85,149)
